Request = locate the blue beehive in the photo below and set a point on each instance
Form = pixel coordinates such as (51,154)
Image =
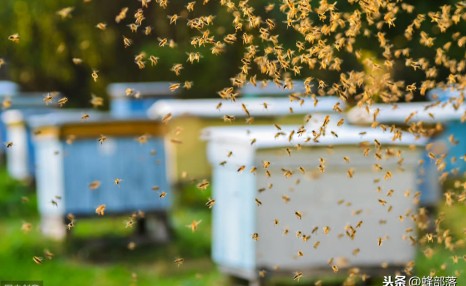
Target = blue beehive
(7,89)
(20,157)
(70,158)
(133,99)
(455,150)
(428,113)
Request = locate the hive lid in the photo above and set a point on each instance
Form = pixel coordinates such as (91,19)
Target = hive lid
(398,113)
(65,123)
(144,89)
(208,107)
(265,135)
(271,89)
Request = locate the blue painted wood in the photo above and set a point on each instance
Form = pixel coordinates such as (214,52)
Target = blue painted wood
(124,158)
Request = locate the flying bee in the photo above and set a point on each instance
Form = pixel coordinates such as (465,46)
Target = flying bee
(102,139)
(96,101)
(203,185)
(48,98)
(174,86)
(26,227)
(241,169)
(298,214)
(162,42)
(95,75)
(127,42)
(210,203)
(190,6)
(117,181)
(176,68)
(100,210)
(188,84)
(62,101)
(49,255)
(179,261)
(258,202)
(37,259)
(85,116)
(228,118)
(101,26)
(162,195)
(94,185)
(297,276)
(326,229)
(14,38)
(255,236)
(9,144)
(166,118)
(316,244)
(194,225)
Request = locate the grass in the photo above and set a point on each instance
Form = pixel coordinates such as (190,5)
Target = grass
(97,253)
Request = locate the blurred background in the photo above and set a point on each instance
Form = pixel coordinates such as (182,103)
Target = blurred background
(98,252)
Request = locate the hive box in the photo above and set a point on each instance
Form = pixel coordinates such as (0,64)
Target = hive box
(430,114)
(136,104)
(69,157)
(321,199)
(7,90)
(20,157)
(191,116)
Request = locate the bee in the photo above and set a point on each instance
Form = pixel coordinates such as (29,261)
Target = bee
(131,245)
(101,26)
(316,244)
(96,101)
(190,6)
(26,227)
(37,259)
(65,12)
(194,225)
(122,15)
(379,241)
(85,116)
(117,181)
(162,195)
(210,203)
(62,101)
(258,202)
(176,68)
(100,210)
(188,84)
(127,42)
(77,61)
(228,118)
(94,185)
(179,261)
(255,236)
(326,229)
(298,214)
(241,169)
(350,173)
(48,98)
(203,185)
(133,27)
(9,144)
(49,255)
(297,276)
(54,203)
(95,75)
(147,30)
(102,139)
(14,38)
(253,141)
(335,268)
(162,42)
(166,118)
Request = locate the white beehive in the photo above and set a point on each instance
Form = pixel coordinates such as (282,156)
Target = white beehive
(322,199)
